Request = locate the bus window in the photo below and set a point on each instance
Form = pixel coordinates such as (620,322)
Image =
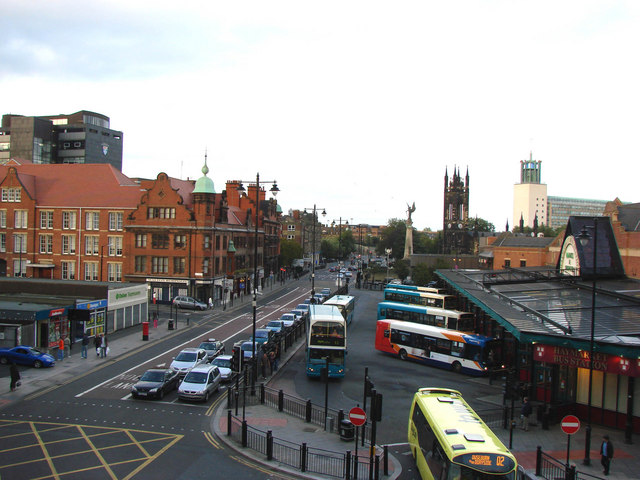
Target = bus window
(472,352)
(456,349)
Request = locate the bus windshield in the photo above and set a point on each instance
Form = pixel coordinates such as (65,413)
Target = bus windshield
(328,334)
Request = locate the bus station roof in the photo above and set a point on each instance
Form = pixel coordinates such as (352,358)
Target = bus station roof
(547,307)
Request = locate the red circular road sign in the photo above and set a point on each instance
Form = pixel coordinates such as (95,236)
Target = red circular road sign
(357,416)
(570,424)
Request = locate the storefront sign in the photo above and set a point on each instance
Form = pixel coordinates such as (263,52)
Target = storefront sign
(92,305)
(580,359)
(55,312)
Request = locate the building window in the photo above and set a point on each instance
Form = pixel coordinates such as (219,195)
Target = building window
(159,264)
(3,219)
(46,243)
(91,245)
(115,246)
(91,271)
(523,263)
(21,218)
(114,272)
(68,270)
(291,237)
(19,243)
(11,194)
(141,240)
(159,240)
(3,242)
(161,212)
(92,221)
(217,242)
(507,262)
(115,221)
(179,241)
(68,244)
(178,264)
(68,220)
(46,220)
(205,266)
(291,228)
(207,241)
(141,264)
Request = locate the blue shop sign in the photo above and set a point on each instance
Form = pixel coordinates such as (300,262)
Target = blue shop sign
(92,305)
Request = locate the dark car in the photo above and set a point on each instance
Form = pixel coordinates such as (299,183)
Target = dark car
(213,348)
(24,355)
(155,383)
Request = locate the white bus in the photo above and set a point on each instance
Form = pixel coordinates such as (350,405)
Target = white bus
(326,340)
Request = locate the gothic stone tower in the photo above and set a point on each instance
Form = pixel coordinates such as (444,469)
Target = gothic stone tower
(457,238)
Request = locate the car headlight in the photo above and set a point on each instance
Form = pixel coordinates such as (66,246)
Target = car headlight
(134,389)
(153,390)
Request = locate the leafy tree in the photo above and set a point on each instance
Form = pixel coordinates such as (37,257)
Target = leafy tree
(289,251)
(423,274)
(329,248)
(401,269)
(347,243)
(393,237)
(425,242)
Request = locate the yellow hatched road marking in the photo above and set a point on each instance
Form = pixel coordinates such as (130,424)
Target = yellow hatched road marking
(97,453)
(44,450)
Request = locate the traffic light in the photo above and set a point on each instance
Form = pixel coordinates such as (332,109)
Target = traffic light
(236,359)
(368,386)
(376,407)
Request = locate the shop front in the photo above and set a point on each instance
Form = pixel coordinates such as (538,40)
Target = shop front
(164,290)
(127,305)
(89,317)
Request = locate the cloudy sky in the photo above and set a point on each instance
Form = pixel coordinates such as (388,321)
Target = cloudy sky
(355,106)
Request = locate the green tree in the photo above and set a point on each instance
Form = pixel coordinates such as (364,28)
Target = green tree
(347,243)
(401,269)
(393,237)
(289,251)
(423,274)
(481,225)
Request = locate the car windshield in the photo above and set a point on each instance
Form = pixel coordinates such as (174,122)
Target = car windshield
(303,306)
(152,377)
(196,377)
(33,351)
(186,357)
(246,346)
(222,362)
(287,317)
(262,334)
(208,346)
(275,324)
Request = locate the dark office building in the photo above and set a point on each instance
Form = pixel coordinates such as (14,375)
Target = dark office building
(81,137)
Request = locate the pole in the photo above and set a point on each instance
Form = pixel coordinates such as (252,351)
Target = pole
(587,438)
(568,448)
(255,291)
(326,392)
(313,258)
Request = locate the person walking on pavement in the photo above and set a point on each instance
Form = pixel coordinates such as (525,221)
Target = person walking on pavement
(606,454)
(104,345)
(84,345)
(15,376)
(67,346)
(61,349)
(97,341)
(525,411)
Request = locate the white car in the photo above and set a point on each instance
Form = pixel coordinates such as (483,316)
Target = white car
(289,319)
(188,359)
(223,362)
(200,383)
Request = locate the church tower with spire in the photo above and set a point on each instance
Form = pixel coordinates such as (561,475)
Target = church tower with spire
(457,238)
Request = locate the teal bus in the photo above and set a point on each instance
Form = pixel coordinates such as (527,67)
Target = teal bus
(345,303)
(415,297)
(326,341)
(449,441)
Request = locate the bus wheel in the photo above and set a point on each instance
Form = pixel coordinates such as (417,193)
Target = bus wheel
(403,354)
(456,367)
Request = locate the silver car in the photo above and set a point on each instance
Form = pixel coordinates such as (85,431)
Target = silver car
(189,302)
(200,383)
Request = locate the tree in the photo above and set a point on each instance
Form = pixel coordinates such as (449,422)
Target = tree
(423,274)
(401,269)
(393,237)
(289,251)
(481,225)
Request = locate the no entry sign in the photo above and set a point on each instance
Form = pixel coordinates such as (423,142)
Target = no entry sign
(357,416)
(570,424)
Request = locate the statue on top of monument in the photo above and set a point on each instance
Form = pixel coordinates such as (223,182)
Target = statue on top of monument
(410,210)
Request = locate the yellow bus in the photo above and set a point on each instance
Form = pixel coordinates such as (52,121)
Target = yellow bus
(449,441)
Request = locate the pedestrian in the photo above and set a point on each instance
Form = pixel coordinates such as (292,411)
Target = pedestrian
(67,345)
(276,359)
(272,357)
(85,344)
(61,349)
(525,411)
(210,302)
(606,454)
(96,342)
(104,346)
(15,376)
(263,364)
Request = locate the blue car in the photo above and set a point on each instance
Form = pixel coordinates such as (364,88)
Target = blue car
(24,355)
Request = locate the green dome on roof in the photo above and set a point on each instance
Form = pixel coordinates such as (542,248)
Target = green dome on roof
(278,208)
(204,184)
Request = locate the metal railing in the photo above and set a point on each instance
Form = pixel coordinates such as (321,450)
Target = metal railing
(551,468)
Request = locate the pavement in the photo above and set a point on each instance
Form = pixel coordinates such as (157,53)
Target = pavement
(36,382)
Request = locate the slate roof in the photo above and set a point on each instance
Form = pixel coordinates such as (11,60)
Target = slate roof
(629,216)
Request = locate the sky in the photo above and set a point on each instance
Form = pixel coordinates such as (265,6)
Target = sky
(356,107)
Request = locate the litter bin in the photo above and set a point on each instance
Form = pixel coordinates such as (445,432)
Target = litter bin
(170,324)
(347,430)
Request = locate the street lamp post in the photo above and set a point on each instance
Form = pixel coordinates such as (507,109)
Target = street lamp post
(313,249)
(584,240)
(388,252)
(274,190)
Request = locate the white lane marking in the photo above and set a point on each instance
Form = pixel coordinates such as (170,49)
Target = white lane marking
(181,345)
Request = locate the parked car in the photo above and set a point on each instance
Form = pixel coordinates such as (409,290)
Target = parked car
(289,320)
(25,355)
(189,302)
(263,335)
(213,348)
(246,349)
(155,383)
(200,383)
(303,306)
(187,359)
(276,326)
(326,291)
(300,314)
(223,362)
